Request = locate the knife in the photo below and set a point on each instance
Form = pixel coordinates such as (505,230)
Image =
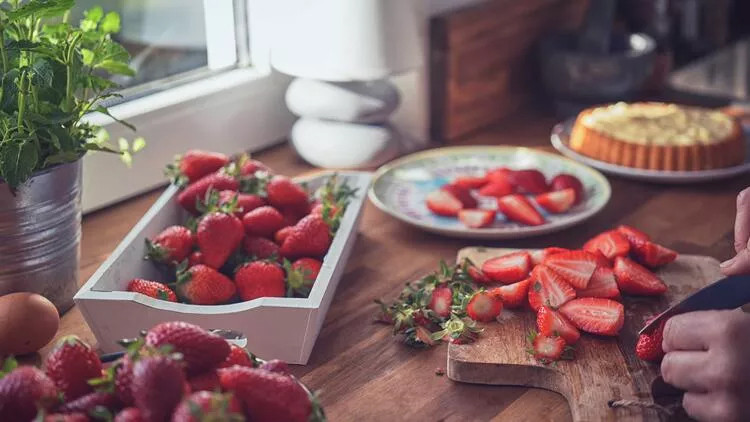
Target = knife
(728,293)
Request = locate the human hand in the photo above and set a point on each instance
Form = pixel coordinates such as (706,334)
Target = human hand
(740,264)
(706,355)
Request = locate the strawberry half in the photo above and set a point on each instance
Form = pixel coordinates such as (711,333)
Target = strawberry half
(602,284)
(547,349)
(443,203)
(462,194)
(484,307)
(500,175)
(611,244)
(508,268)
(633,235)
(529,181)
(552,323)
(595,315)
(567,181)
(648,347)
(576,267)
(476,218)
(496,189)
(539,255)
(557,201)
(471,182)
(634,279)
(518,208)
(477,275)
(441,301)
(552,289)
(513,295)
(652,254)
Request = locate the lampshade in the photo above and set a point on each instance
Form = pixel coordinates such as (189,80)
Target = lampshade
(348,40)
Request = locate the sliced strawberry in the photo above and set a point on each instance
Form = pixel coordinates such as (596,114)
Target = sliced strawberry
(553,290)
(576,267)
(634,279)
(595,315)
(539,255)
(611,244)
(529,181)
(462,194)
(633,235)
(551,323)
(557,201)
(508,268)
(567,181)
(652,254)
(484,307)
(443,203)
(601,260)
(476,218)
(548,349)
(441,301)
(477,275)
(471,182)
(518,208)
(602,284)
(496,189)
(500,175)
(536,300)
(513,295)
(648,347)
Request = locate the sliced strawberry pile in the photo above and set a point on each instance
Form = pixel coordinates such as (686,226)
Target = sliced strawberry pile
(522,196)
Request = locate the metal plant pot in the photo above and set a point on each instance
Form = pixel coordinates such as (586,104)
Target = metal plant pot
(40,235)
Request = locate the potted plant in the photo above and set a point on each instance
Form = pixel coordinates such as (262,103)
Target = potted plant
(53,73)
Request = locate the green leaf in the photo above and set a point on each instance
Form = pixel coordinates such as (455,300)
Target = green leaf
(91,18)
(122,143)
(138,144)
(111,23)
(87,56)
(126,158)
(115,67)
(41,73)
(101,137)
(105,110)
(18,160)
(41,9)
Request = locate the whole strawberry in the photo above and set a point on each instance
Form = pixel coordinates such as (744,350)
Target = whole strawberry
(171,246)
(218,236)
(63,417)
(267,396)
(648,347)
(282,234)
(283,192)
(205,381)
(195,258)
(70,365)
(196,191)
(301,275)
(293,214)
(263,222)
(311,237)
(157,387)
(129,414)
(209,406)
(245,202)
(200,349)
(22,390)
(195,164)
(203,285)
(248,167)
(237,356)
(151,288)
(275,365)
(123,379)
(260,279)
(87,403)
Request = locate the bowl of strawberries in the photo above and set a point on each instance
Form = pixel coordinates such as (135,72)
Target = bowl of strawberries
(231,245)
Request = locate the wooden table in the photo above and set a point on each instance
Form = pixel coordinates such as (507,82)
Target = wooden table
(361,371)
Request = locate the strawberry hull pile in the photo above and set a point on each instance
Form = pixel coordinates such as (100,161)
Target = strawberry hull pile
(177,372)
(571,291)
(512,193)
(251,233)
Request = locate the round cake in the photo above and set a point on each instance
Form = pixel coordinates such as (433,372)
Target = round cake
(659,136)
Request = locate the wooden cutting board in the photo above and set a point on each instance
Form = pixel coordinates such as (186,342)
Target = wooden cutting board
(604,368)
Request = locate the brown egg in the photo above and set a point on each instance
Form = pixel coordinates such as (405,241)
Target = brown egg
(28,322)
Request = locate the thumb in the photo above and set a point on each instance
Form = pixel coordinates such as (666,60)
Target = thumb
(740,264)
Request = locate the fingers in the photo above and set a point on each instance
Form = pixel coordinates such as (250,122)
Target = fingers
(712,407)
(740,264)
(690,331)
(686,370)
(742,221)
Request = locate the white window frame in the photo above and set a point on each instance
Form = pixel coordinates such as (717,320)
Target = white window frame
(240,109)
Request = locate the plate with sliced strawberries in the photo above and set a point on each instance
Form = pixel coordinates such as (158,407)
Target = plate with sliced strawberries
(489,192)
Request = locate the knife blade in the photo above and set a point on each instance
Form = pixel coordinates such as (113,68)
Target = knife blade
(728,293)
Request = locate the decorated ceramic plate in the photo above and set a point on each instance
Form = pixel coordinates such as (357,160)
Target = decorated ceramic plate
(400,188)
(561,137)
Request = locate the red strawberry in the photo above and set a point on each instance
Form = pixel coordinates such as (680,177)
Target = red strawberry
(283,192)
(248,167)
(576,267)
(611,244)
(301,275)
(275,365)
(441,301)
(260,247)
(547,349)
(203,285)
(518,208)
(246,202)
(477,275)
(206,381)
(237,356)
(602,284)
(208,406)
(70,365)
(634,279)
(462,194)
(471,182)
(513,295)
(157,387)
(260,279)
(508,268)
(601,260)
(536,300)
(195,164)
(496,189)
(22,390)
(484,307)
(268,396)
(552,289)
(62,417)
(653,255)
(172,245)
(124,380)
(552,323)
(129,414)
(151,288)
(595,315)
(311,237)
(200,349)
(282,234)
(566,181)
(500,175)
(86,403)
(529,181)
(195,258)
(557,201)
(196,191)
(476,218)
(263,221)
(648,347)
(443,203)
(219,235)
(539,255)
(633,235)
